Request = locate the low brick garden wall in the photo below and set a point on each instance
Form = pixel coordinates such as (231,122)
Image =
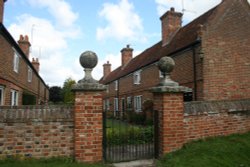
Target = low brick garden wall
(49,131)
(36,131)
(215,118)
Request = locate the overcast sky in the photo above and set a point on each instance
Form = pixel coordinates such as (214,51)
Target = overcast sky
(60,30)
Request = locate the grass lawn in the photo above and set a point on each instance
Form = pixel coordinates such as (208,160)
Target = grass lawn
(231,151)
(53,162)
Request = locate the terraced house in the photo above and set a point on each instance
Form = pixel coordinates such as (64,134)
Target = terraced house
(211,53)
(20,82)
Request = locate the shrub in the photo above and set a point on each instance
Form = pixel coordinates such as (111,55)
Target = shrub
(131,135)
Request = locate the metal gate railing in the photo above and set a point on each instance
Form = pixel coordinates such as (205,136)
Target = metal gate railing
(128,136)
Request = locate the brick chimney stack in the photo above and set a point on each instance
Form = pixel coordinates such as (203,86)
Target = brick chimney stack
(106,69)
(2,10)
(36,64)
(127,55)
(24,44)
(170,23)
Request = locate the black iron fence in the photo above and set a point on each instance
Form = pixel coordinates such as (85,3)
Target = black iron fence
(128,137)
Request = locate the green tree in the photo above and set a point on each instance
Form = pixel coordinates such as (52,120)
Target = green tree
(68,95)
(55,94)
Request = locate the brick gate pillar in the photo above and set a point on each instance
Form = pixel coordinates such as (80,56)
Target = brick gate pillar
(88,114)
(168,102)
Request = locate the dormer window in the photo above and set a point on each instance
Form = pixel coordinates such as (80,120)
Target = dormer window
(137,77)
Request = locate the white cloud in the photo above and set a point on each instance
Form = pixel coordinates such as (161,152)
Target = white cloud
(59,9)
(192,8)
(50,39)
(49,45)
(122,22)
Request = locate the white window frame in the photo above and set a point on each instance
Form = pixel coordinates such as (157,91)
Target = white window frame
(107,104)
(138,103)
(29,74)
(14,97)
(1,95)
(116,105)
(116,85)
(16,61)
(137,77)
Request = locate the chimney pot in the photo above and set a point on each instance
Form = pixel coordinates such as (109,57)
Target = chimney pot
(36,64)
(26,38)
(24,44)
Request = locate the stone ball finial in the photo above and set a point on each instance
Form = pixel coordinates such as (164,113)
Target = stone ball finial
(166,64)
(88,59)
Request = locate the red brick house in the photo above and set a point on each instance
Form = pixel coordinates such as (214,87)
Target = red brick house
(20,82)
(212,56)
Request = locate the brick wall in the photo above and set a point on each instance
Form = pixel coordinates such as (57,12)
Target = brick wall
(36,131)
(179,123)
(216,118)
(226,46)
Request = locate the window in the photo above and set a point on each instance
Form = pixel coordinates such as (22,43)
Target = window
(137,77)
(188,96)
(160,74)
(123,105)
(116,85)
(116,106)
(16,62)
(106,104)
(129,102)
(14,98)
(107,89)
(1,95)
(29,74)
(138,103)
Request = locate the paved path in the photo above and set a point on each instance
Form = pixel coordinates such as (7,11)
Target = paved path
(138,163)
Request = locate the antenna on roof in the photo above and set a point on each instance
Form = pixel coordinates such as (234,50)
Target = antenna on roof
(185,10)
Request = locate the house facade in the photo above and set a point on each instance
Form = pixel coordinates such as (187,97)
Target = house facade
(20,82)
(211,53)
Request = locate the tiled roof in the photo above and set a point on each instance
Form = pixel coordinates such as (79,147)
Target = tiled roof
(186,36)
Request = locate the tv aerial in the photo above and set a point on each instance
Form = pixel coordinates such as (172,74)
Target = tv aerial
(186,10)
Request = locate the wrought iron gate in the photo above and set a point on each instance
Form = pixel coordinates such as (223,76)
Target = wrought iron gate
(128,136)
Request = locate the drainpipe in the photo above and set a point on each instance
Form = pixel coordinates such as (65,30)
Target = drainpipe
(195,76)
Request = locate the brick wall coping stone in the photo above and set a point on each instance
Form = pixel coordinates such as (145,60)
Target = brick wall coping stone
(88,87)
(217,107)
(51,113)
(170,89)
